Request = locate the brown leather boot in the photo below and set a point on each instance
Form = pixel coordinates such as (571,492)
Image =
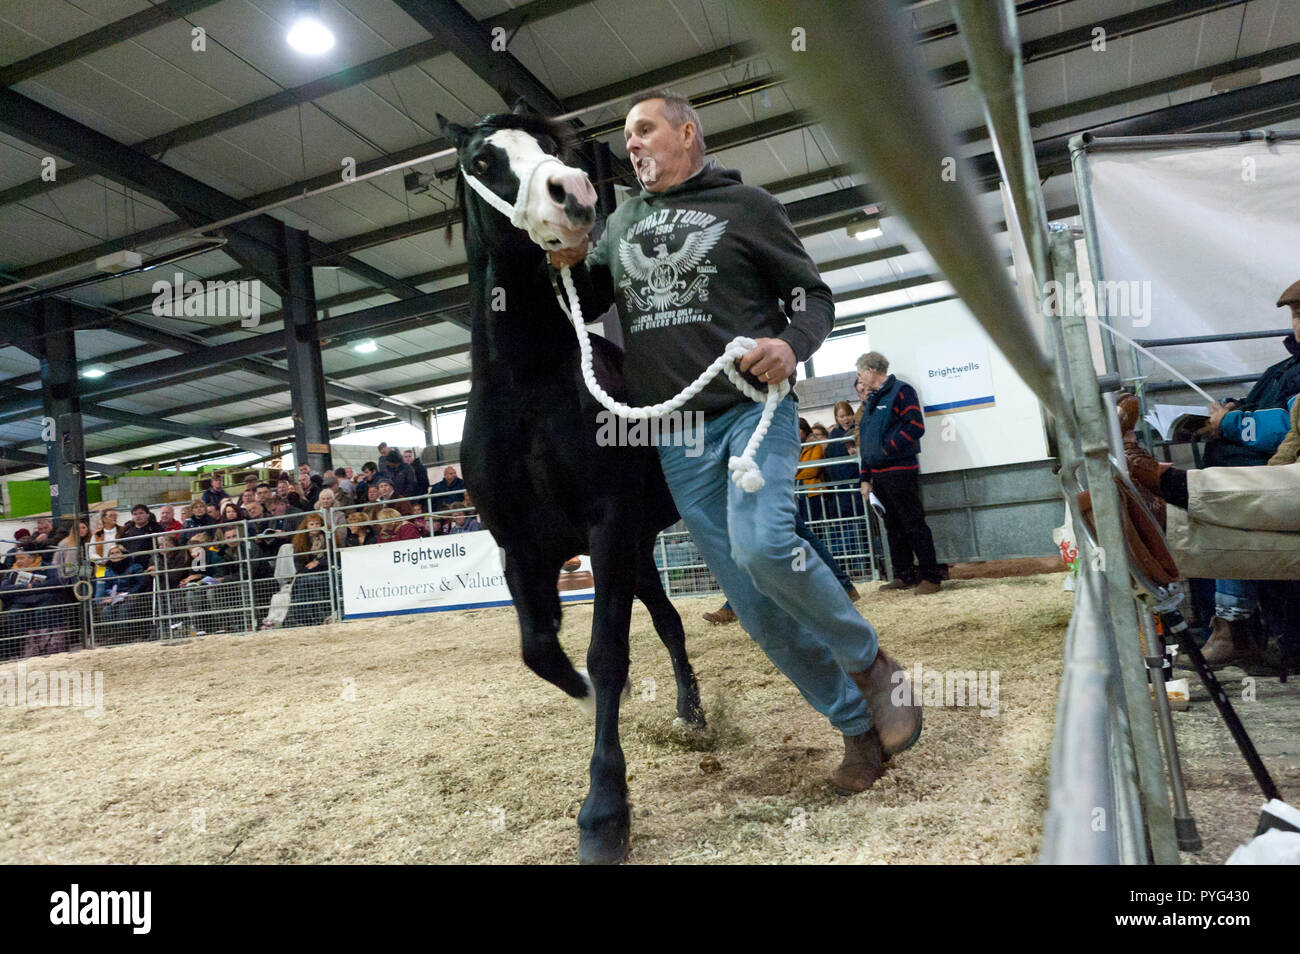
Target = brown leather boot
(853,593)
(926,588)
(896,585)
(863,763)
(1229,644)
(721,616)
(899,724)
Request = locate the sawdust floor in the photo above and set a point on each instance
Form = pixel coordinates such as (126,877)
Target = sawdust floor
(423,738)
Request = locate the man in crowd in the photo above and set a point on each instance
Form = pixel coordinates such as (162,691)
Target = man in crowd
(451,485)
(44,534)
(137,537)
(890,437)
(215,493)
(22,536)
(748,259)
(167,519)
(32,586)
(421,472)
(399,472)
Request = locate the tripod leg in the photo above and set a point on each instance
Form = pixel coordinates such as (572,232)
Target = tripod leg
(1176,626)
(1184,824)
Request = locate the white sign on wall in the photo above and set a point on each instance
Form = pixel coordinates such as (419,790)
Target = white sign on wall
(955,376)
(431,574)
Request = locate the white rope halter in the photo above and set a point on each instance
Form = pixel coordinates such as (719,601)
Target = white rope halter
(745,472)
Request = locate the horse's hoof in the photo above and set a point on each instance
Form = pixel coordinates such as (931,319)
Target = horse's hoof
(605,845)
(696,723)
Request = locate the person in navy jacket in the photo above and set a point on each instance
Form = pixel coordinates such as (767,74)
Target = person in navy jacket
(889,442)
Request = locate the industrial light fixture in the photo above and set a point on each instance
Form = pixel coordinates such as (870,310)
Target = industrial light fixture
(309,34)
(865,225)
(93,373)
(365,347)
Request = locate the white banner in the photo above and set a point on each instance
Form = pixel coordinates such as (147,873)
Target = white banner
(1214,231)
(431,574)
(955,376)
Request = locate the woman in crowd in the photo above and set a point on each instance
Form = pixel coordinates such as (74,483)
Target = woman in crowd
(310,596)
(125,578)
(359,530)
(393,526)
(68,555)
(809,503)
(102,540)
(230,513)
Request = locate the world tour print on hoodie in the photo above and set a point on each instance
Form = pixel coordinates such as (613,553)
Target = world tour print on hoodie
(661,285)
(691,268)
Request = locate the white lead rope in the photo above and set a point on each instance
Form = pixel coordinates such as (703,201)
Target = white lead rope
(745,472)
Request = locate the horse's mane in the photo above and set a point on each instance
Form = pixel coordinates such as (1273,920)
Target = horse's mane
(540,127)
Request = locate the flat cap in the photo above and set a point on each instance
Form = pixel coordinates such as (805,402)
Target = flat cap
(1290,297)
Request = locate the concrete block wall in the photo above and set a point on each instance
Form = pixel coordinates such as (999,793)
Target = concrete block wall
(824,391)
(129,491)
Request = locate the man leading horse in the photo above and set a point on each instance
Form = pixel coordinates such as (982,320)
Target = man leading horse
(694,260)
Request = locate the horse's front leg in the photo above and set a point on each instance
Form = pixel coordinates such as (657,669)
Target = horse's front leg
(604,822)
(668,624)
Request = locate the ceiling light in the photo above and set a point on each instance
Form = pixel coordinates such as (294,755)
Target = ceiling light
(365,347)
(308,34)
(865,225)
(93,373)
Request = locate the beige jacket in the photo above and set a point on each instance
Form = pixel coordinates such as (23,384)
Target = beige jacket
(1289,451)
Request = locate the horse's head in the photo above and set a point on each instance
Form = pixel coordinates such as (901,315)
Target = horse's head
(516,158)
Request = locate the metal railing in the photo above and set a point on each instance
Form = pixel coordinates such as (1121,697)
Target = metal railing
(269,572)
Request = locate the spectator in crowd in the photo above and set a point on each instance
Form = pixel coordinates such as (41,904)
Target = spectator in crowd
(1248,432)
(37,589)
(463,521)
(264,495)
(346,483)
(419,470)
(247,497)
(125,576)
(369,471)
(44,534)
(283,519)
(307,490)
(327,505)
(383,450)
(230,513)
(197,521)
(810,505)
(102,540)
(286,492)
(419,520)
(846,502)
(70,555)
(21,538)
(250,481)
(359,531)
(167,518)
(169,568)
(214,513)
(342,498)
(304,472)
(215,492)
(400,473)
(890,438)
(387,494)
(310,594)
(451,485)
(392,526)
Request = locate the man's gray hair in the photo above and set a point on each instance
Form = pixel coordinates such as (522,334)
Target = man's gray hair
(873,361)
(679,111)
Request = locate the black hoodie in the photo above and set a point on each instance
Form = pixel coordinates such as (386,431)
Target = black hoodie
(693,267)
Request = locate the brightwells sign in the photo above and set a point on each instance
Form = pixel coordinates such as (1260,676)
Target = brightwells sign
(420,576)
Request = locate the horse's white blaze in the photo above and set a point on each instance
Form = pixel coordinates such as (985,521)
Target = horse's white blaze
(545,219)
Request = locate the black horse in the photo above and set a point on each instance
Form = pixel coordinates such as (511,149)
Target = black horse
(544,486)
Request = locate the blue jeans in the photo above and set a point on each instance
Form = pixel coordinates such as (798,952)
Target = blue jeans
(783,594)
(1236,599)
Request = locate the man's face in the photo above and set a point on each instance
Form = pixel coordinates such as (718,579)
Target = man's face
(263,495)
(25,561)
(449,474)
(248,496)
(166,515)
(216,481)
(44,525)
(385,490)
(254,510)
(372,492)
(140,517)
(408,456)
(661,155)
(1295,320)
(872,380)
(108,518)
(282,487)
(278,506)
(304,470)
(213,512)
